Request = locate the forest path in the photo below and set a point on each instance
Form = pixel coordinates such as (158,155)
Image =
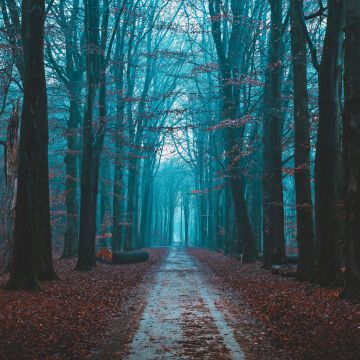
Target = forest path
(181,319)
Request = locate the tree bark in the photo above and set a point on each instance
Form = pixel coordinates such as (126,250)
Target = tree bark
(71,236)
(273,203)
(11,149)
(327,162)
(32,234)
(352,149)
(86,257)
(118,192)
(304,208)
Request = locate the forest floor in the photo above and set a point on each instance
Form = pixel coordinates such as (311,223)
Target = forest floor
(72,318)
(297,319)
(181,304)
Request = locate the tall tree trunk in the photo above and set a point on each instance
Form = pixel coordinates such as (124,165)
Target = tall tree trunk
(129,241)
(227,219)
(86,256)
(92,143)
(32,234)
(327,164)
(352,148)
(146,183)
(273,203)
(304,208)
(117,199)
(105,204)
(202,196)
(118,191)
(71,235)
(211,201)
(186,207)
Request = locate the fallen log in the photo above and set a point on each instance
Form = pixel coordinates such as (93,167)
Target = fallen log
(119,257)
(288,270)
(129,257)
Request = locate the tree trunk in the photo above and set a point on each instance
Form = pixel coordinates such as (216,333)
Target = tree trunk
(129,241)
(352,148)
(86,257)
(146,183)
(273,203)
(327,167)
(11,148)
(211,201)
(186,217)
(32,234)
(304,208)
(118,191)
(71,235)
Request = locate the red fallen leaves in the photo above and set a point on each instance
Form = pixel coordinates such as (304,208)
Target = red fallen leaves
(104,254)
(303,321)
(67,319)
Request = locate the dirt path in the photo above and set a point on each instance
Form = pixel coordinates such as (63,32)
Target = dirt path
(181,319)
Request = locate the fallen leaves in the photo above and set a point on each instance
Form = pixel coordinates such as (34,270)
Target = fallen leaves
(303,321)
(68,319)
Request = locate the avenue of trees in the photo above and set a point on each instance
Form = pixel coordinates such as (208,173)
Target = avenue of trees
(226,124)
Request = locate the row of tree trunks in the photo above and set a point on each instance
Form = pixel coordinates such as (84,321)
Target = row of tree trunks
(71,76)
(228,63)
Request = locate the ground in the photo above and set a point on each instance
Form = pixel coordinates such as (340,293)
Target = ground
(182,304)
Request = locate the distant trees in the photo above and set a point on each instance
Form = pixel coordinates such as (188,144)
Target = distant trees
(32,241)
(71,75)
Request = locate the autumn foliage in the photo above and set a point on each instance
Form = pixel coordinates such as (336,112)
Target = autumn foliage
(104,254)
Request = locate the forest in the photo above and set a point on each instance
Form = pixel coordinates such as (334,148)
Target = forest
(179,179)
